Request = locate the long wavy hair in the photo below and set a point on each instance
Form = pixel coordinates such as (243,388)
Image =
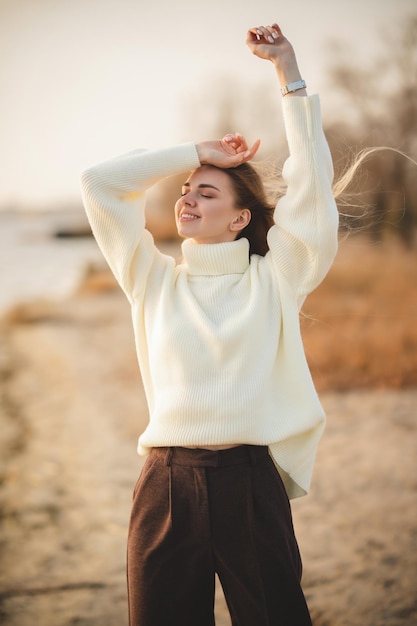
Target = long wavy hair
(260,191)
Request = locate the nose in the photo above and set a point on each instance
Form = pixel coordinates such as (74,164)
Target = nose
(189,198)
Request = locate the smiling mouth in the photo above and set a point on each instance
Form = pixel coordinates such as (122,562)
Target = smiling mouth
(189,217)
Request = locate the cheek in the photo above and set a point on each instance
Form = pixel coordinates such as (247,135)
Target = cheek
(178,205)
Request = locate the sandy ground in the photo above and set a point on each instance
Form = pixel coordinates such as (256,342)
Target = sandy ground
(72,406)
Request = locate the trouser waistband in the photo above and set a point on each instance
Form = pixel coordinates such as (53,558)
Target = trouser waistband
(198,457)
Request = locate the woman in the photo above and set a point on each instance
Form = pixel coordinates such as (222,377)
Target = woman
(234,417)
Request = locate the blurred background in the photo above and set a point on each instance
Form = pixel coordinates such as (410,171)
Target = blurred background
(83,80)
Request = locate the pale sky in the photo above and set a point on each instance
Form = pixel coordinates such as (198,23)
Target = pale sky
(82,80)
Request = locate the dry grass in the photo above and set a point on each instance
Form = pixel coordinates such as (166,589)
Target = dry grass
(37,311)
(360,325)
(97,279)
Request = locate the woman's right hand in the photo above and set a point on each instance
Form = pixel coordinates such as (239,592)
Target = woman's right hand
(230,151)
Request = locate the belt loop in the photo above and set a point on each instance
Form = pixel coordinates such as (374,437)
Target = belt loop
(168,456)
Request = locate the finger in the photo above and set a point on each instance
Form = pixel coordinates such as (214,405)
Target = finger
(236,141)
(240,143)
(272,33)
(266,33)
(249,154)
(253,35)
(276,29)
(257,35)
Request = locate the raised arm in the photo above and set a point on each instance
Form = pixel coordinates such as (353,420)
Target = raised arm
(303,241)
(114,199)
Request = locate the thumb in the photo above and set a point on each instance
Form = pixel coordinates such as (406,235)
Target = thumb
(250,153)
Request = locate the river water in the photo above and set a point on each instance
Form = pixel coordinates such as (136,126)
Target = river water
(34,263)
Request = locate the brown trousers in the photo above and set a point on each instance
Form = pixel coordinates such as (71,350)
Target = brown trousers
(196,513)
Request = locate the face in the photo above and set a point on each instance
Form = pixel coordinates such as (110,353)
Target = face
(206,211)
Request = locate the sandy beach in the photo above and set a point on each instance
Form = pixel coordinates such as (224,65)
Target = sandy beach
(72,406)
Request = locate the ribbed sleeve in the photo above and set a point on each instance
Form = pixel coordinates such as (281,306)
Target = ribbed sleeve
(114,198)
(304,241)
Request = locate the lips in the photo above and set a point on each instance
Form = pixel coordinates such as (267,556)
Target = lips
(186,216)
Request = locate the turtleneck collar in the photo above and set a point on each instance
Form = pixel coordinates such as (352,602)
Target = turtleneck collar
(216,259)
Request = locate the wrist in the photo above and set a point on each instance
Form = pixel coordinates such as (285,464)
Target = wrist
(287,70)
(201,153)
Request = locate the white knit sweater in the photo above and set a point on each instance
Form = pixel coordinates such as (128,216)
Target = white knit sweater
(218,337)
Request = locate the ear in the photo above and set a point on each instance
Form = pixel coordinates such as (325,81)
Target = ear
(241,220)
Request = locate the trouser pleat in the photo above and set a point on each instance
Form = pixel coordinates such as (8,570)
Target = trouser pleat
(196,513)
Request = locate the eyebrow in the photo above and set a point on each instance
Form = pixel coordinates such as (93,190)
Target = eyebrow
(202,186)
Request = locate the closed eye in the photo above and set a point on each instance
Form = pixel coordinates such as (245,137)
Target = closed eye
(184,193)
(187,187)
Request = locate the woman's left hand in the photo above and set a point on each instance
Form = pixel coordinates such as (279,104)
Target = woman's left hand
(268,42)
(230,151)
